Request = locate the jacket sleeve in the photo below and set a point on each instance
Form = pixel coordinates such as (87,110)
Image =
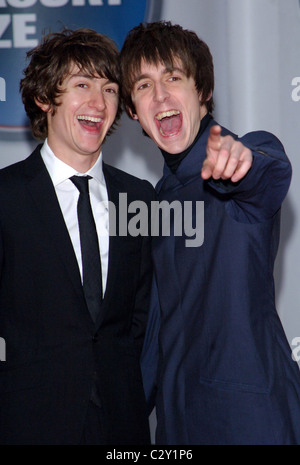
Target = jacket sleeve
(1,251)
(149,358)
(143,291)
(259,195)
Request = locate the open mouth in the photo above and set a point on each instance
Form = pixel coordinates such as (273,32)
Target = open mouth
(90,121)
(169,122)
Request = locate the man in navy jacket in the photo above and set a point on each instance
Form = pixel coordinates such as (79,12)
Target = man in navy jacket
(216,360)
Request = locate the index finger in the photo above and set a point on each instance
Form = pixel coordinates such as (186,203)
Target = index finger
(215,134)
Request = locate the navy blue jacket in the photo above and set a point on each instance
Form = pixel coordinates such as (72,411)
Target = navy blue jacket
(225,372)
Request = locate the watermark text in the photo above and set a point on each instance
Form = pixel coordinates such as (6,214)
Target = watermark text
(160,218)
(2,90)
(2,350)
(296,89)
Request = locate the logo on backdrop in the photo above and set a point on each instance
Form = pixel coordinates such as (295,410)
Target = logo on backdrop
(22,24)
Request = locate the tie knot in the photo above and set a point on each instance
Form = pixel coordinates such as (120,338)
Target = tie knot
(82,183)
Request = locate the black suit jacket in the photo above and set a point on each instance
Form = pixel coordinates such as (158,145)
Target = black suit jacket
(54,351)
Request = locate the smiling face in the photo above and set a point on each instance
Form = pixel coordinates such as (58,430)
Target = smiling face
(167,105)
(83,115)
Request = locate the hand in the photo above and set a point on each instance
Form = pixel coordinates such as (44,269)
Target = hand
(226,158)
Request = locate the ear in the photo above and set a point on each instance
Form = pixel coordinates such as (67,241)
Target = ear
(209,96)
(131,114)
(207,99)
(46,107)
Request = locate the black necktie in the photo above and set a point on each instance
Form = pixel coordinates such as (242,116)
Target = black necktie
(91,264)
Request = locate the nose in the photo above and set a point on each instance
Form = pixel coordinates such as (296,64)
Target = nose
(97,100)
(160,92)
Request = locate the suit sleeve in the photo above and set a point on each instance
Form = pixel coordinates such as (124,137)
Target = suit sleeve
(150,353)
(142,299)
(1,251)
(259,195)
(147,317)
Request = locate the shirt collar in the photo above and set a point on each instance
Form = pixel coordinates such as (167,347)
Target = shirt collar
(60,171)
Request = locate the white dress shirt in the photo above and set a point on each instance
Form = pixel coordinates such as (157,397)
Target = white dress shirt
(67,194)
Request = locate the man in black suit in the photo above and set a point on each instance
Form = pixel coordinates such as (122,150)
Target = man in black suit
(72,373)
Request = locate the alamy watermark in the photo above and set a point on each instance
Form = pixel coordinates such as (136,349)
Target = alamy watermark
(2,90)
(296,89)
(2,350)
(296,350)
(160,218)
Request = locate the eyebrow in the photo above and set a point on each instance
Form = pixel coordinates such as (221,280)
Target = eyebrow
(84,75)
(165,71)
(90,76)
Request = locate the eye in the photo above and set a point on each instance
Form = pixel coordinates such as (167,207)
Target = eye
(174,78)
(142,86)
(82,85)
(111,90)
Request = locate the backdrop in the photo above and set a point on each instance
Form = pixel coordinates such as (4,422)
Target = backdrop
(255,44)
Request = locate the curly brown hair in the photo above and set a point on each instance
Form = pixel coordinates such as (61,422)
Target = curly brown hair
(163,42)
(52,60)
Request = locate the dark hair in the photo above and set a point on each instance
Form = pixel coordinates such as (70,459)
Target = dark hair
(52,60)
(162,42)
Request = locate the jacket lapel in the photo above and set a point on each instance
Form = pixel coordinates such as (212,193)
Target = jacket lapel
(43,194)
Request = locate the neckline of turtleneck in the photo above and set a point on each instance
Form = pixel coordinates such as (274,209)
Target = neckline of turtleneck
(173,160)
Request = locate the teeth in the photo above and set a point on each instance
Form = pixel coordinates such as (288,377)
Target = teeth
(166,114)
(89,118)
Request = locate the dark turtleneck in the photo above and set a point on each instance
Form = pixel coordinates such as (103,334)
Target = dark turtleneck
(173,160)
